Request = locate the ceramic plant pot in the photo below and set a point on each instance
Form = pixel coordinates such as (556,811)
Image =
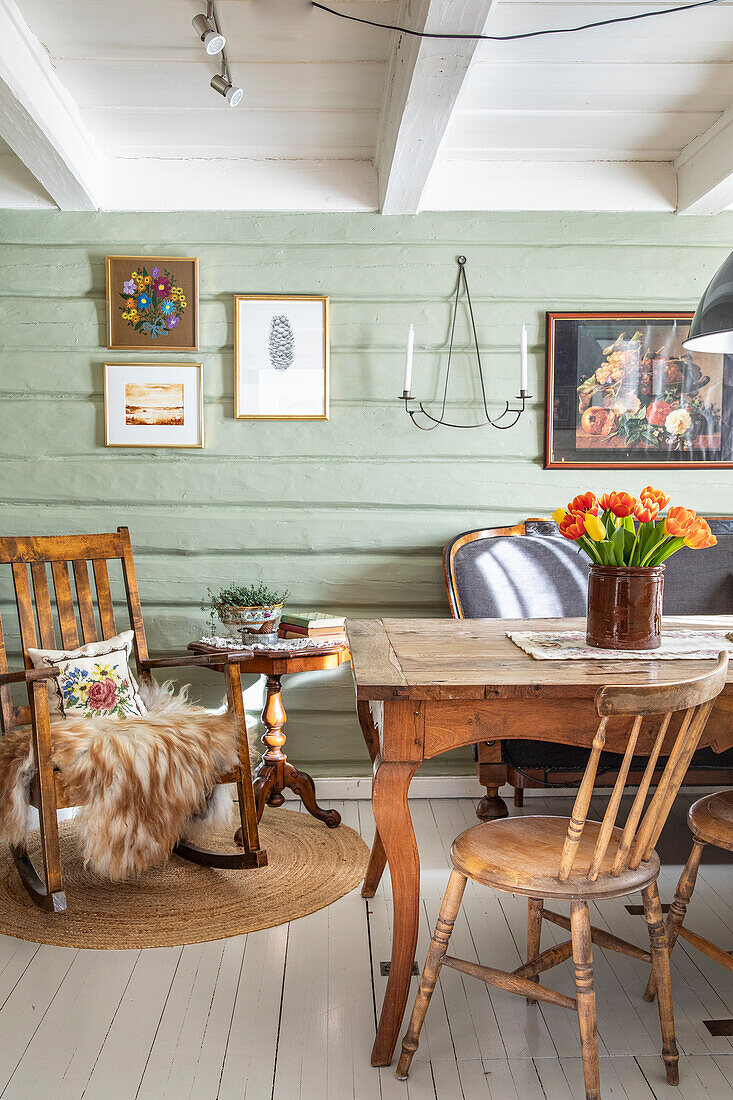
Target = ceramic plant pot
(252,620)
(625,607)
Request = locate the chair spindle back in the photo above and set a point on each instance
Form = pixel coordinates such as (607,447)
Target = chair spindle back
(29,559)
(694,700)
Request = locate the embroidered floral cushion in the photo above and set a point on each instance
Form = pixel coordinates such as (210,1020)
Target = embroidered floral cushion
(95,679)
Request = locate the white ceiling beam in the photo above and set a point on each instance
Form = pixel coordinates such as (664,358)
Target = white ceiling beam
(19,190)
(705,170)
(39,120)
(424,79)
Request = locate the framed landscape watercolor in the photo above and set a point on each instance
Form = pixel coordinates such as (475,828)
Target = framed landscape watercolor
(281,357)
(622,391)
(154,404)
(152,303)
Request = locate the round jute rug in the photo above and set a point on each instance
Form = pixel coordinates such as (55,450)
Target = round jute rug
(309,866)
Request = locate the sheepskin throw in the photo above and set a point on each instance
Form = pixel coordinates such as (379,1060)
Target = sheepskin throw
(141,783)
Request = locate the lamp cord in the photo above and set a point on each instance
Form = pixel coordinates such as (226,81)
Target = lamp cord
(514,37)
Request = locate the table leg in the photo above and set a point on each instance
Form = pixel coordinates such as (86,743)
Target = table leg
(275,773)
(389,799)
(377,860)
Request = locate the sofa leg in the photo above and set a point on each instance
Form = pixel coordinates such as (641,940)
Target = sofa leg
(492,806)
(491,775)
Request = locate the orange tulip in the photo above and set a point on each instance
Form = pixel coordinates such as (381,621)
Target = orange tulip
(572,526)
(584,502)
(699,536)
(656,495)
(605,502)
(678,522)
(621,504)
(646,510)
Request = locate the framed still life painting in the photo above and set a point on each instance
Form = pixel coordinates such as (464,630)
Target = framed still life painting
(281,357)
(622,391)
(152,303)
(154,404)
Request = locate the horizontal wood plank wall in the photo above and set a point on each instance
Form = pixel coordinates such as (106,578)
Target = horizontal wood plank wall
(351,514)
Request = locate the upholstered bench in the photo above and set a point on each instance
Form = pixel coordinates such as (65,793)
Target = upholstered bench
(530,571)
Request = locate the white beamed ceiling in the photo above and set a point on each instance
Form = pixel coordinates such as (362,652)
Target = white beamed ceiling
(602,119)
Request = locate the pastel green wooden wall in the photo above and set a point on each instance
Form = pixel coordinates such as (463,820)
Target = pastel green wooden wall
(350,514)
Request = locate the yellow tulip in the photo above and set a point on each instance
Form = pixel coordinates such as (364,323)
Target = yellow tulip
(559,515)
(594,527)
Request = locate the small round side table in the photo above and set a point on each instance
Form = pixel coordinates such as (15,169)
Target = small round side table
(275,773)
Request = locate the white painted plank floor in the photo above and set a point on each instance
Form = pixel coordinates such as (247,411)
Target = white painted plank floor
(288,1013)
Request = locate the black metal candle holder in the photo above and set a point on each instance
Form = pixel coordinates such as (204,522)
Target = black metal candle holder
(522,396)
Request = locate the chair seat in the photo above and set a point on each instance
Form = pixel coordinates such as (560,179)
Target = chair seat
(521,855)
(711,819)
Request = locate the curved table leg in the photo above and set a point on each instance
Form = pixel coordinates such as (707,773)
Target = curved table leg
(377,859)
(375,870)
(302,784)
(389,798)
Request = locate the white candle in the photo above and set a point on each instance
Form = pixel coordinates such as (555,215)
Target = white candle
(408,359)
(523,361)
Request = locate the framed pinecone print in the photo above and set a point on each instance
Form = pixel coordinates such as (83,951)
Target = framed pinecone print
(281,357)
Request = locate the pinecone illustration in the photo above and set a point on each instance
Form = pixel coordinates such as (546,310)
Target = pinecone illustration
(281,342)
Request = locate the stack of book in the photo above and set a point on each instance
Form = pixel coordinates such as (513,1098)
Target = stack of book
(313,624)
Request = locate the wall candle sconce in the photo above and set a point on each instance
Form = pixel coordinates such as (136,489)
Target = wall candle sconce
(522,396)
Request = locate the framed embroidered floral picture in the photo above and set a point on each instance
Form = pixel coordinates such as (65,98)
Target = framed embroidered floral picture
(152,303)
(623,391)
(154,404)
(281,357)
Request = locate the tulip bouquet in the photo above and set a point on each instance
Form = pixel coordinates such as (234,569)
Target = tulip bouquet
(623,530)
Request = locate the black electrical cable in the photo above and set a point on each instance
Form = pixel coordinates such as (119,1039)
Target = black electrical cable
(513,37)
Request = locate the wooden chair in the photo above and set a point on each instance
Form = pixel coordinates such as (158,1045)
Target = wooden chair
(576,860)
(79,551)
(711,822)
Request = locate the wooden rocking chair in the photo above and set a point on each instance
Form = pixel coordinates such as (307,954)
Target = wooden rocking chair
(581,861)
(61,551)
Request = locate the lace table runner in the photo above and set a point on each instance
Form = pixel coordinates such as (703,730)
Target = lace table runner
(570,645)
(277,645)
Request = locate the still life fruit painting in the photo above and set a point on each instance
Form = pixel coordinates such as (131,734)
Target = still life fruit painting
(623,390)
(648,397)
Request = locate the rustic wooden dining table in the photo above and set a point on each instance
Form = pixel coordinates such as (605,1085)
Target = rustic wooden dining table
(424,686)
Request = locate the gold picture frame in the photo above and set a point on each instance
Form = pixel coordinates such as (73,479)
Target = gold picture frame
(278,406)
(123,424)
(141,335)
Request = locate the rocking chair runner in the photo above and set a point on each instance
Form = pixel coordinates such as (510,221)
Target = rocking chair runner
(79,551)
(577,860)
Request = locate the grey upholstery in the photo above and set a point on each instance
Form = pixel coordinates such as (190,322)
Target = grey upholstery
(540,574)
(521,577)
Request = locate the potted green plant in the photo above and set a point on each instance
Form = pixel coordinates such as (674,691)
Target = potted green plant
(246,608)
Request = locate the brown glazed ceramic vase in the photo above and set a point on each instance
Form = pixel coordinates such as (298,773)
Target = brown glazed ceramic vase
(625,607)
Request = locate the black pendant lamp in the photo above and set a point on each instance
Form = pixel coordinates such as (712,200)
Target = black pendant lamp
(712,326)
